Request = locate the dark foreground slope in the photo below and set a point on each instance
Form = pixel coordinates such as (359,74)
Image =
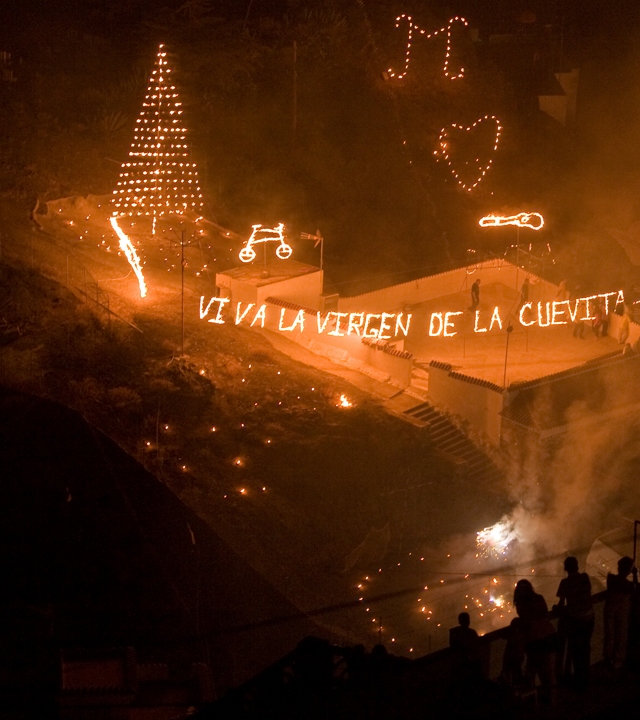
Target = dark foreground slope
(95,551)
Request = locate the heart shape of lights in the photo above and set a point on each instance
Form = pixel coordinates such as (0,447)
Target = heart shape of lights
(443,151)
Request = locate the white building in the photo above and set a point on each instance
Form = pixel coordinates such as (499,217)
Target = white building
(286,280)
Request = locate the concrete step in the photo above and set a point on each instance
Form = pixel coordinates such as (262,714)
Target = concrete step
(447,437)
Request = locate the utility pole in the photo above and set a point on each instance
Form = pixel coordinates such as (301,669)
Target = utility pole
(183,244)
(506,355)
(295,90)
(182,292)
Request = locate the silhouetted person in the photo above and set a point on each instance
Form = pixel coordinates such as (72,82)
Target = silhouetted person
(312,669)
(514,656)
(562,294)
(617,610)
(381,682)
(576,623)
(463,641)
(578,325)
(597,324)
(624,326)
(524,293)
(475,295)
(356,661)
(539,636)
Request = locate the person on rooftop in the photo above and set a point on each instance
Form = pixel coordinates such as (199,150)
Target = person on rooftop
(475,295)
(524,294)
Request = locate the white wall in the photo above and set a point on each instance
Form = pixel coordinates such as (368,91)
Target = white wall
(417,291)
(304,290)
(476,402)
(347,350)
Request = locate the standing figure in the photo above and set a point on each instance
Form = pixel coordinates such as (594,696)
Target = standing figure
(578,325)
(576,623)
(562,294)
(624,327)
(514,656)
(597,324)
(540,637)
(617,610)
(524,293)
(463,641)
(475,295)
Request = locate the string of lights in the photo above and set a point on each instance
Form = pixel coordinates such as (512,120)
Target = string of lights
(443,150)
(158,178)
(533,220)
(413,27)
(261,234)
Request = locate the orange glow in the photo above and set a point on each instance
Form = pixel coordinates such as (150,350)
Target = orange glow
(495,540)
(427,36)
(158,178)
(533,221)
(128,249)
(344,402)
(218,320)
(443,150)
(263,235)
(298,322)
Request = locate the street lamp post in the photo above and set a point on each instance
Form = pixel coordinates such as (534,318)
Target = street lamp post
(506,354)
(183,244)
(182,292)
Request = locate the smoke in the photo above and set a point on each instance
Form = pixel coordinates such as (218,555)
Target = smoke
(583,485)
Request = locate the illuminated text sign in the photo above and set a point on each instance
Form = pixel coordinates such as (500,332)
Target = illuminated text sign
(385,326)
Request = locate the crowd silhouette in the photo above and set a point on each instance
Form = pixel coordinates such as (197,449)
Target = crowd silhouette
(540,657)
(547,658)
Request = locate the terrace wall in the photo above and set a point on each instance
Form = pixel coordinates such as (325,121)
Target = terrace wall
(382,363)
(477,401)
(447,283)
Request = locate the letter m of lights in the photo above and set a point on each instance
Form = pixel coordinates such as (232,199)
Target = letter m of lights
(158,177)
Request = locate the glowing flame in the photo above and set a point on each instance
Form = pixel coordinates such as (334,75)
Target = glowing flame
(534,220)
(494,541)
(132,256)
(344,402)
(261,235)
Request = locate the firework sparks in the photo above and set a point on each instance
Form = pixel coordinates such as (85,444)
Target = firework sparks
(494,541)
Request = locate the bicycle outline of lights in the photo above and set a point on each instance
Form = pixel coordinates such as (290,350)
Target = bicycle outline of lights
(247,254)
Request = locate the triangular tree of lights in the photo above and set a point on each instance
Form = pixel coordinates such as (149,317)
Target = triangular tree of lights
(158,178)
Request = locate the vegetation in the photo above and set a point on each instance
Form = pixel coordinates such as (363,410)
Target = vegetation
(359,164)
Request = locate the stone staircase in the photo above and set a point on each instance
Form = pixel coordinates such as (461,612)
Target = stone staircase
(471,462)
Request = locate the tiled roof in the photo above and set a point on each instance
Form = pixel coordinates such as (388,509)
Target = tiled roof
(289,305)
(476,381)
(386,348)
(587,366)
(441,365)
(607,385)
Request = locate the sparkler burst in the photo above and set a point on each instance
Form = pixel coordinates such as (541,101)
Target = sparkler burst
(494,541)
